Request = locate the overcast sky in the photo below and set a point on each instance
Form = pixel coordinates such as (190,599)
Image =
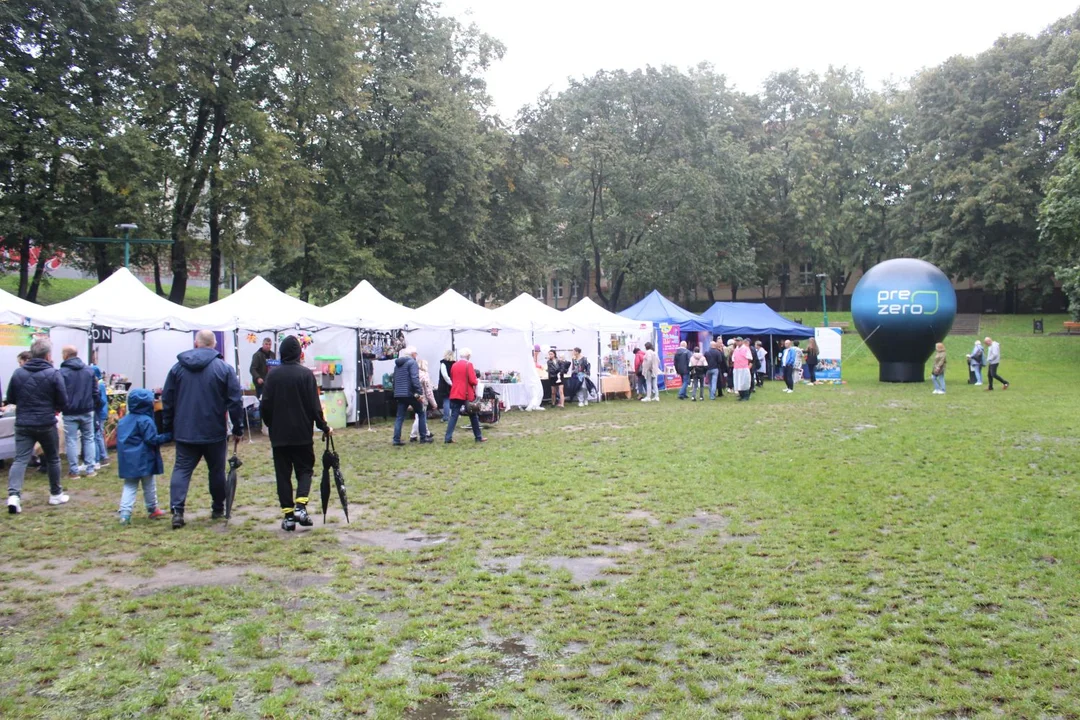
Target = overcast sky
(548,41)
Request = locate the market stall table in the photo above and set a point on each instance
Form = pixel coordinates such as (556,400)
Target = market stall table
(511,394)
(615,385)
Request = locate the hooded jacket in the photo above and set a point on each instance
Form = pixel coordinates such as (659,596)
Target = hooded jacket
(37,390)
(81,387)
(138,442)
(407,378)
(290,402)
(101,399)
(199,389)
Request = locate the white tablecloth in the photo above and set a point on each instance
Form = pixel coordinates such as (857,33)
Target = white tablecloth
(512,394)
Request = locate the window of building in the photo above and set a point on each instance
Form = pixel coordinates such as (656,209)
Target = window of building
(541,294)
(806,274)
(575,291)
(557,289)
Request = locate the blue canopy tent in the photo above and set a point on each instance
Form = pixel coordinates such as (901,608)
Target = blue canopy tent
(656,308)
(740,319)
(748,319)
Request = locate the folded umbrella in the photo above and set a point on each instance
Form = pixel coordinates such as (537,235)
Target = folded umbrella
(329,459)
(231,480)
(339,481)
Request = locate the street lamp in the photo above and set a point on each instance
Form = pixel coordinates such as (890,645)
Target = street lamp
(824,307)
(127,228)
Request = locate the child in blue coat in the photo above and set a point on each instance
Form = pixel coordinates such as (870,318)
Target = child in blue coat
(138,453)
(101,414)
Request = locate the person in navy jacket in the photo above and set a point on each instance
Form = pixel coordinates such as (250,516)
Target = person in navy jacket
(199,390)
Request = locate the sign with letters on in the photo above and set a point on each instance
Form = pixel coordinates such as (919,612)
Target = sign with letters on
(101,334)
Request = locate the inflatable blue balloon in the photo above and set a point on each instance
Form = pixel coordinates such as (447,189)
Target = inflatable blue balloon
(902,308)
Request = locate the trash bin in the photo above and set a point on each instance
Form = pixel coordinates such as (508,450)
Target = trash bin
(1037,325)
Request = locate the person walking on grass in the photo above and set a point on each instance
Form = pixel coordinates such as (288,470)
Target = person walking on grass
(715,360)
(682,368)
(993,359)
(937,374)
(555,380)
(698,367)
(462,393)
(138,455)
(407,393)
(37,390)
(83,399)
(427,400)
(445,364)
(788,364)
(259,368)
(975,363)
(200,391)
(741,358)
(650,370)
(579,365)
(811,361)
(290,409)
(763,363)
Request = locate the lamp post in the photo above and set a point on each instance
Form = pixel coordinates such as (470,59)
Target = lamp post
(127,228)
(824,307)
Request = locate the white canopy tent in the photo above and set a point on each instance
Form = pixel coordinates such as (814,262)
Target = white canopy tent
(367,308)
(259,310)
(22,315)
(587,314)
(139,332)
(450,322)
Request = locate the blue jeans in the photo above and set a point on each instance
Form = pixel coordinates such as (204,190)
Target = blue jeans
(187,457)
(683,386)
(25,439)
(131,486)
(977,369)
(457,408)
(99,440)
(710,377)
(403,405)
(939,382)
(74,425)
(446,408)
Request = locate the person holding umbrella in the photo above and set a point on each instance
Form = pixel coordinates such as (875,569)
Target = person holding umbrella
(290,408)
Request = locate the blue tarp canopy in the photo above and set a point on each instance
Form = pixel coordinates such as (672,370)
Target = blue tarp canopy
(658,309)
(746,319)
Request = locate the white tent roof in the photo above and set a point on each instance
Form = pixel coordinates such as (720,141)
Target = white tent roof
(452,311)
(123,302)
(259,306)
(585,313)
(540,317)
(14,311)
(367,308)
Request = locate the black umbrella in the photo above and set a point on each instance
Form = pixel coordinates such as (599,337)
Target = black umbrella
(232,480)
(330,461)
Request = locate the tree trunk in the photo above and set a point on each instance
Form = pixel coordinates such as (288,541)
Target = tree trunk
(734,291)
(215,235)
(24,266)
(157,276)
(712,296)
(32,293)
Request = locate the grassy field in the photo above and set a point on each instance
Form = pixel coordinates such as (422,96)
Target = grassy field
(54,290)
(860,550)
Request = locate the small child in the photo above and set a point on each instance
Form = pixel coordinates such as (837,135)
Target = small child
(101,415)
(138,454)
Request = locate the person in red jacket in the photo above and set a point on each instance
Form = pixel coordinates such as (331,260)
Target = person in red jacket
(462,391)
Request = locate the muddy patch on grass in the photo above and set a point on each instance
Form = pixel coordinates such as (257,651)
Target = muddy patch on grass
(505,660)
(63,575)
(503,565)
(583,569)
(713,526)
(645,515)
(390,540)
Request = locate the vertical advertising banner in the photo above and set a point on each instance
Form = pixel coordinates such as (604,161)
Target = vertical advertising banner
(669,343)
(829,345)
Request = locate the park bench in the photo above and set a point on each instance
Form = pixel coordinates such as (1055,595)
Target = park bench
(842,325)
(1070,326)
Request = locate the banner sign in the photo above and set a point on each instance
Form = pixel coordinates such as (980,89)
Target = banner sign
(20,335)
(829,344)
(101,334)
(670,337)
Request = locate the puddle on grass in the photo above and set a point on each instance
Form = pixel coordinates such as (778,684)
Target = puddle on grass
(389,540)
(645,515)
(703,524)
(514,657)
(582,570)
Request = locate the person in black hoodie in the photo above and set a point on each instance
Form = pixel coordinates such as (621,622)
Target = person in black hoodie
(38,392)
(290,407)
(198,391)
(83,400)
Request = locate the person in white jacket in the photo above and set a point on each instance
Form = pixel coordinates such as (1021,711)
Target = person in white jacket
(993,359)
(650,370)
(975,362)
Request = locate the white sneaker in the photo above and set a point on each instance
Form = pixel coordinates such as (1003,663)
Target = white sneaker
(586,403)
(656,399)
(97,466)
(58,499)
(978,383)
(14,505)
(645,399)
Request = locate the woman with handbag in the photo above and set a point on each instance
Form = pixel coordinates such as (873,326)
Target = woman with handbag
(427,399)
(555,379)
(462,394)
